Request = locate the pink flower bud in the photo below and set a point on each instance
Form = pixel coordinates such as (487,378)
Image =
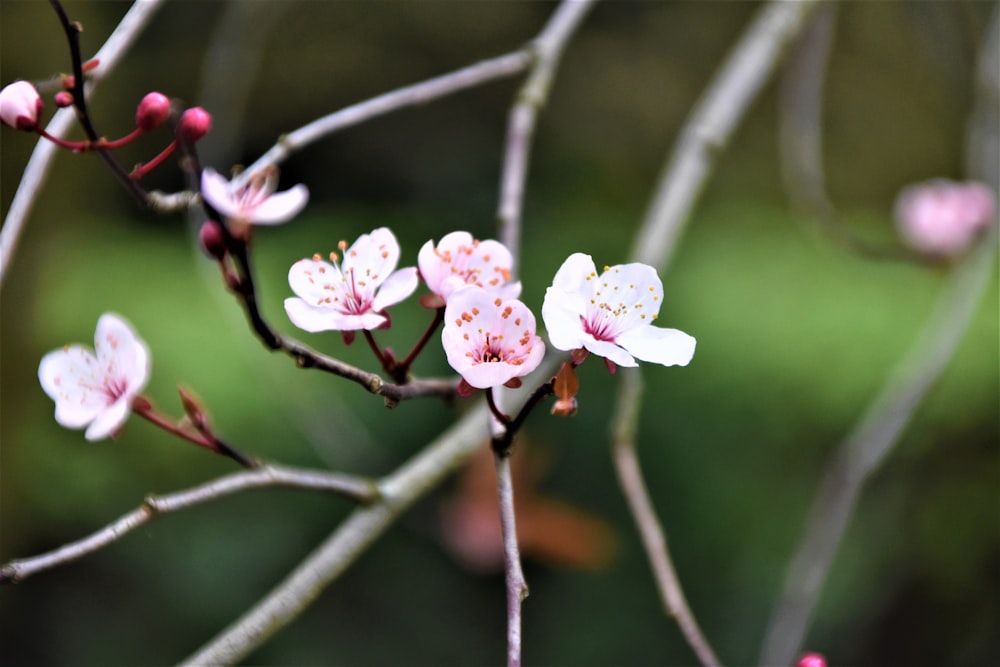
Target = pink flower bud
(942,218)
(193,125)
(212,240)
(153,111)
(63,99)
(811,660)
(20,106)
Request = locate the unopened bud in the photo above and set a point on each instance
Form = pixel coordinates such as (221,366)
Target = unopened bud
(63,99)
(811,660)
(152,112)
(20,106)
(193,125)
(212,240)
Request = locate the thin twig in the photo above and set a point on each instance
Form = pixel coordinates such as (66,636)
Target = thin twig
(356,488)
(704,135)
(548,48)
(875,435)
(35,172)
(414,95)
(399,491)
(517,588)
(624,426)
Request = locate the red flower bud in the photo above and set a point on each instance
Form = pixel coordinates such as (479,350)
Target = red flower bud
(152,112)
(20,106)
(212,240)
(193,125)
(811,660)
(63,99)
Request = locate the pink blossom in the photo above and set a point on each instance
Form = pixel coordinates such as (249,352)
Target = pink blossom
(612,314)
(459,260)
(256,202)
(193,124)
(354,293)
(943,218)
(152,112)
(811,660)
(20,106)
(97,390)
(489,340)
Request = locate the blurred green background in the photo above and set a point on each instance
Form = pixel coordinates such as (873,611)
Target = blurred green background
(795,337)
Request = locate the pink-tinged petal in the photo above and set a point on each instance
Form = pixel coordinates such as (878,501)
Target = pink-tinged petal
(562,312)
(483,376)
(572,275)
(396,287)
(669,347)
(460,260)
(216,191)
(69,377)
(281,206)
(109,420)
(608,350)
(372,257)
(314,280)
(119,348)
(20,105)
(431,269)
(314,319)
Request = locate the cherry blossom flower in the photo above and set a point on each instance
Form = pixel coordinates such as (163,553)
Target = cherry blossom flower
(612,314)
(256,202)
(20,106)
(97,390)
(811,660)
(942,217)
(489,340)
(459,260)
(354,293)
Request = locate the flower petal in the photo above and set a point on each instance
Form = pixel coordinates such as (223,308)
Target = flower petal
(561,312)
(634,292)
(216,191)
(314,280)
(669,347)
(312,319)
(572,275)
(280,207)
(69,376)
(608,350)
(122,354)
(396,287)
(373,257)
(109,420)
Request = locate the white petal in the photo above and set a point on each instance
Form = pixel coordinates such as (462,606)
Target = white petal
(432,269)
(69,377)
(312,319)
(372,257)
(121,351)
(312,279)
(632,290)
(109,420)
(482,376)
(572,275)
(669,347)
(281,206)
(216,191)
(561,312)
(396,287)
(603,348)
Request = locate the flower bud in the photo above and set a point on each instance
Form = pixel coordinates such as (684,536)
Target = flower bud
(20,106)
(63,99)
(152,112)
(811,660)
(193,125)
(212,240)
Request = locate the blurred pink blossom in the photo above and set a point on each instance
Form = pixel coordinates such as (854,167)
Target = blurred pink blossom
(942,218)
(255,203)
(460,260)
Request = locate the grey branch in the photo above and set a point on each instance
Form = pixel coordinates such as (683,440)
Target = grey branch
(704,135)
(356,488)
(866,448)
